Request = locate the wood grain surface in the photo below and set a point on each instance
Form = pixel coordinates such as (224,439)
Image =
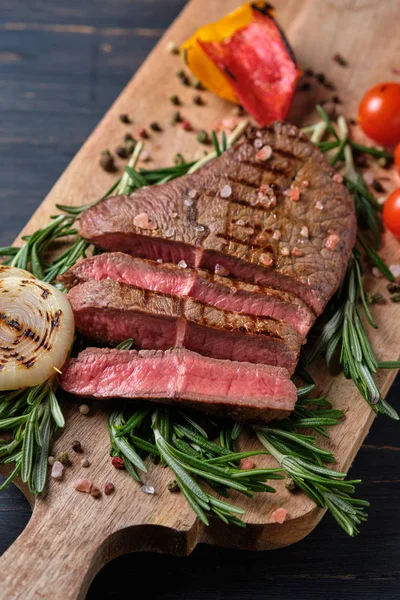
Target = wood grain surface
(57,528)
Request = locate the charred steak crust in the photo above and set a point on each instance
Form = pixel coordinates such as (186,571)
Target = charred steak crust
(111,312)
(213,290)
(286,246)
(241,390)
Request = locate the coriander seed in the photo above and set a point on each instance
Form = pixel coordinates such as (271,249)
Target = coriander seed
(203,137)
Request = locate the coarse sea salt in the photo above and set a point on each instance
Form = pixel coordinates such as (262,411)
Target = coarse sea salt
(304,231)
(395,269)
(182,264)
(264,154)
(57,470)
(148,489)
(226,191)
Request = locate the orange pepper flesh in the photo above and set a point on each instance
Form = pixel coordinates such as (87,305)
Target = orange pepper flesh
(244,58)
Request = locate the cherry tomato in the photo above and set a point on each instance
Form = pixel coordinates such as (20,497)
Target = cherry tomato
(391,213)
(379,113)
(397,158)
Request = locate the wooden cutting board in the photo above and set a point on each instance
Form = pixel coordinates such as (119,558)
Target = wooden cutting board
(70,535)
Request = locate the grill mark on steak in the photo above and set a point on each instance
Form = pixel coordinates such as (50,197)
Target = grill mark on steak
(241,390)
(313,277)
(111,312)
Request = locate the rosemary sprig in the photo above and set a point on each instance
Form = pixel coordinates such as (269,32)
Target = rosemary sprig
(345,330)
(326,487)
(29,418)
(182,444)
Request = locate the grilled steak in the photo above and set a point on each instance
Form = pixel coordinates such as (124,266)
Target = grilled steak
(269,211)
(111,312)
(239,389)
(213,290)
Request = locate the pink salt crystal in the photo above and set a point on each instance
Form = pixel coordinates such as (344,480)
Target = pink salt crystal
(332,241)
(220,270)
(295,195)
(368,178)
(376,273)
(83,485)
(230,123)
(279,515)
(247,464)
(142,220)
(276,235)
(57,470)
(319,205)
(395,269)
(285,251)
(264,154)
(266,260)
(144,156)
(337,178)
(297,252)
(192,193)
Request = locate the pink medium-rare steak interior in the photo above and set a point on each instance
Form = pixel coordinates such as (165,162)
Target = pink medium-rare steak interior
(284,221)
(213,290)
(240,389)
(111,312)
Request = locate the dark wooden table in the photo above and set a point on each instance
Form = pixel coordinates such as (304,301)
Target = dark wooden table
(61,66)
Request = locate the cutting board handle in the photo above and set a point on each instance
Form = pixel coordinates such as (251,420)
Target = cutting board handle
(52,560)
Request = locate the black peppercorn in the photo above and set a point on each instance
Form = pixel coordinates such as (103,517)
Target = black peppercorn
(107,161)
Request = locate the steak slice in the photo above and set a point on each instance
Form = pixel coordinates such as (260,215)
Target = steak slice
(237,389)
(111,312)
(268,210)
(213,290)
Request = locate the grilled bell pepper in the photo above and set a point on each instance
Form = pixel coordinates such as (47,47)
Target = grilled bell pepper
(245,58)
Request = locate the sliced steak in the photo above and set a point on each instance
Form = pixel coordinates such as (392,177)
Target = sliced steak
(237,389)
(269,211)
(213,290)
(111,312)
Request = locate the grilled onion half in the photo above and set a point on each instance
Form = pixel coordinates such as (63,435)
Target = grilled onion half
(36,329)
